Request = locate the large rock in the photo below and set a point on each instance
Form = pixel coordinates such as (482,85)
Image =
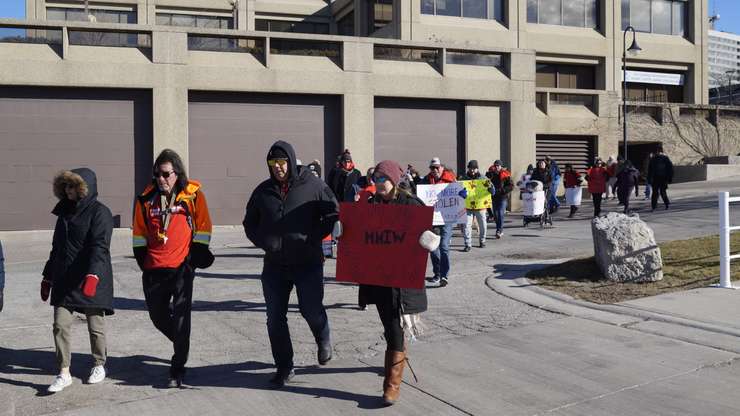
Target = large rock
(625,249)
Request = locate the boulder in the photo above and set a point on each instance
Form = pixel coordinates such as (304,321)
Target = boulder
(625,249)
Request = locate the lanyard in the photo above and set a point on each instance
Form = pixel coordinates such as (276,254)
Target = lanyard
(166,211)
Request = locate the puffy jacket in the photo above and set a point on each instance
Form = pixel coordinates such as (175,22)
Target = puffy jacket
(597,177)
(628,179)
(289,227)
(410,301)
(145,242)
(81,245)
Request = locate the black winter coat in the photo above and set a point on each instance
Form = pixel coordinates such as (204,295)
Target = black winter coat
(290,227)
(80,246)
(344,184)
(542,176)
(627,180)
(660,169)
(410,301)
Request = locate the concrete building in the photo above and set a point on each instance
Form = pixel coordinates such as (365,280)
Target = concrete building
(219,80)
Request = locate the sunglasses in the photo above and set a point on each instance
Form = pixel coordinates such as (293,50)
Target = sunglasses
(435,167)
(280,162)
(165,175)
(380,179)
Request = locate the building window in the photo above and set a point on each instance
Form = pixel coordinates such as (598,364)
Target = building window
(566,76)
(195,20)
(380,14)
(654,93)
(478,9)
(101,15)
(577,13)
(666,17)
(291,26)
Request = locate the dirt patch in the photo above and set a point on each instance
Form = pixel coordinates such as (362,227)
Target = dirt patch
(687,264)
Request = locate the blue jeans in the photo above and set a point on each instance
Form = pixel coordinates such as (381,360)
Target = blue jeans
(553,202)
(499,208)
(277,283)
(441,256)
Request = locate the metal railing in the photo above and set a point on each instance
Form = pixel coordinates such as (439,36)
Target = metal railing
(725,229)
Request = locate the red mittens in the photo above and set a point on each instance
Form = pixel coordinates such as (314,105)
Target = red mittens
(45,289)
(90,285)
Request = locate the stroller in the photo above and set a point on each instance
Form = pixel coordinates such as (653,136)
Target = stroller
(534,202)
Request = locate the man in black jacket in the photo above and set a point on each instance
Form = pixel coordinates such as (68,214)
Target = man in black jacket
(287,216)
(660,174)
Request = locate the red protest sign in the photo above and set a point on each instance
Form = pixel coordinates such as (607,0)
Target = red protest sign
(380,244)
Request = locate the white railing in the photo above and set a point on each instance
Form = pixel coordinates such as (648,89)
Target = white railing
(725,229)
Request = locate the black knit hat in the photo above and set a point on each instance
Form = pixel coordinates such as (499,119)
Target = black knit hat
(277,153)
(473,164)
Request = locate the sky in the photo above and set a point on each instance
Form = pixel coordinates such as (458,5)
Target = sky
(729,11)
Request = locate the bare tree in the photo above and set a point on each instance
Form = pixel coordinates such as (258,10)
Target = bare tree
(696,136)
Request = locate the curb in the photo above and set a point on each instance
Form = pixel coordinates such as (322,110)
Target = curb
(522,290)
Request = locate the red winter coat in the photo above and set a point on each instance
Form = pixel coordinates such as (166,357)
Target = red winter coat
(597,178)
(571,179)
(448,176)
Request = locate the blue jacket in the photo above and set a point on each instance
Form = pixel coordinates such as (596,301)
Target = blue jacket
(554,171)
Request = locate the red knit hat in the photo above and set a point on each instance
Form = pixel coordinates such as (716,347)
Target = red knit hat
(390,169)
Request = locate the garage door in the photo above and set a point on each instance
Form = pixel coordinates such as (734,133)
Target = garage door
(578,150)
(45,130)
(230,135)
(414,131)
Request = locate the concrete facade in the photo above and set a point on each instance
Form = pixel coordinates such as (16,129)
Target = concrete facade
(501,118)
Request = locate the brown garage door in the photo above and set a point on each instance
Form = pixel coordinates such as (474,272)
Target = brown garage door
(45,130)
(578,150)
(414,131)
(231,133)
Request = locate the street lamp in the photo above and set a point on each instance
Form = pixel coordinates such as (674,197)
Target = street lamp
(634,49)
(729,74)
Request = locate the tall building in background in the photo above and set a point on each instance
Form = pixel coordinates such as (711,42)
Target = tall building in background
(724,57)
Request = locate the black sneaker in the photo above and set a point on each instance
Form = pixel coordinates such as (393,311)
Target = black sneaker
(433,279)
(466,249)
(482,244)
(282,377)
(324,353)
(443,282)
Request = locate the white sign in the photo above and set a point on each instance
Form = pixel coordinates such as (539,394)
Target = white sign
(659,78)
(449,205)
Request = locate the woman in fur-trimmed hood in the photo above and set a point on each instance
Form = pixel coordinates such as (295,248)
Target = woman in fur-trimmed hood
(79,273)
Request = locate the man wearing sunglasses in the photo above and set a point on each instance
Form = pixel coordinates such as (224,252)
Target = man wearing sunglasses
(172,231)
(287,216)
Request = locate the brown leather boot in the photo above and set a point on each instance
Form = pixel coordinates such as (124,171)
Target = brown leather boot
(394,364)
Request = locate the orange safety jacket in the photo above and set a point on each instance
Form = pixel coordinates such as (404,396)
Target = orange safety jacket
(190,224)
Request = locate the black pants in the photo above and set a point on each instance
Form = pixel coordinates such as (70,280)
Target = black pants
(390,316)
(169,298)
(624,198)
(597,203)
(277,283)
(662,189)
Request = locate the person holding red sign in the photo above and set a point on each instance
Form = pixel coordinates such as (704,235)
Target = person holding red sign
(398,308)
(79,275)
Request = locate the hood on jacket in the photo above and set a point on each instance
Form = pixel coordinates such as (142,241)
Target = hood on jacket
(85,182)
(288,150)
(83,179)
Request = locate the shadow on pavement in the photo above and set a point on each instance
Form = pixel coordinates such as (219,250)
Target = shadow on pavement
(227,276)
(199,305)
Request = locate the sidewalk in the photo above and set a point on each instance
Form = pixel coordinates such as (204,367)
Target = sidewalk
(494,345)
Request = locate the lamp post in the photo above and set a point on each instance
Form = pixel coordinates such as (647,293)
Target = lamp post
(729,74)
(634,49)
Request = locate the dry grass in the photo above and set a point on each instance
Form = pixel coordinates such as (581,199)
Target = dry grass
(687,264)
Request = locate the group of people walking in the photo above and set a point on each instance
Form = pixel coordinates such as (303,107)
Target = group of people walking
(287,215)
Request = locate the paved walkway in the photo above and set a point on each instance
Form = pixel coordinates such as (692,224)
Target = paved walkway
(494,345)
